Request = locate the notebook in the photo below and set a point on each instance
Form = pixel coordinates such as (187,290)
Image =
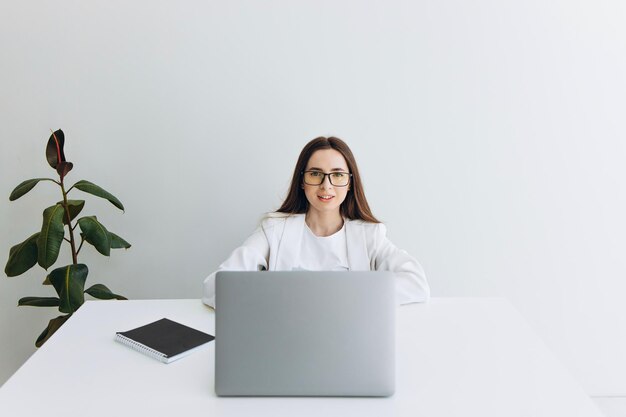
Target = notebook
(164,340)
(305,333)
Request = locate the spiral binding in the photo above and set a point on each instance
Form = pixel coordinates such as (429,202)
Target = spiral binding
(141,348)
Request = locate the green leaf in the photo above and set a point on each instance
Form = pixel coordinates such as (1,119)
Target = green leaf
(69,283)
(52,327)
(25,187)
(96,234)
(75,207)
(91,188)
(46,281)
(54,149)
(39,301)
(51,236)
(102,292)
(22,257)
(117,242)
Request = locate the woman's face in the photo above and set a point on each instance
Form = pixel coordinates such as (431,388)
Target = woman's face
(326,197)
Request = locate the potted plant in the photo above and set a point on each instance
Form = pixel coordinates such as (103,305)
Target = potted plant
(43,247)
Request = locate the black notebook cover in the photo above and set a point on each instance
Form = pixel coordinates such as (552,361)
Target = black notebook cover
(166,337)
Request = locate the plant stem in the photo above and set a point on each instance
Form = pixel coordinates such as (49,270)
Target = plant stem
(82,240)
(69,224)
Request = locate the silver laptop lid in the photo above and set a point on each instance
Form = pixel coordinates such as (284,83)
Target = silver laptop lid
(305,333)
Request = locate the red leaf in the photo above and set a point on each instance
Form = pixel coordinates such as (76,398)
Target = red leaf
(63,168)
(54,150)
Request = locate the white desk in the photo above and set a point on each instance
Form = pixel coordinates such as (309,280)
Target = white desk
(456,357)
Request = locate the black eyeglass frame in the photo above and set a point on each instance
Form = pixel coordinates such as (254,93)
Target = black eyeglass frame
(329,177)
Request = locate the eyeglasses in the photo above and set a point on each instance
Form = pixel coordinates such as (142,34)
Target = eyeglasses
(338,179)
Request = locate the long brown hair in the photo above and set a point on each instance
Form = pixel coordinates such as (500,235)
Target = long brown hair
(354,207)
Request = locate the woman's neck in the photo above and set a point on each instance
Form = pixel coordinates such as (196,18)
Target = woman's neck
(324,223)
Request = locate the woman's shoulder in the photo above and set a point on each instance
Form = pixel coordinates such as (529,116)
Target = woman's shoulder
(369,227)
(274,218)
(364,223)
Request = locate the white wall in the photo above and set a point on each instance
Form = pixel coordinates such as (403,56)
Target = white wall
(490,136)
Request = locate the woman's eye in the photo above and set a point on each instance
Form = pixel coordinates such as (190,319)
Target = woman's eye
(315,173)
(338,175)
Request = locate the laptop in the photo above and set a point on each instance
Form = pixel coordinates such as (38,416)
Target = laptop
(305,333)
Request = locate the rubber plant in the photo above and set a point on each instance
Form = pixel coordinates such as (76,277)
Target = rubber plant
(43,247)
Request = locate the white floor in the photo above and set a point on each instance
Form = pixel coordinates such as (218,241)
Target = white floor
(611,406)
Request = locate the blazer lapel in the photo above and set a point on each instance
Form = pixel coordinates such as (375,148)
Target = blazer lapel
(358,259)
(290,243)
(288,253)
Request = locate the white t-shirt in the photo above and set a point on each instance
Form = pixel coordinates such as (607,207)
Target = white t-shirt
(327,253)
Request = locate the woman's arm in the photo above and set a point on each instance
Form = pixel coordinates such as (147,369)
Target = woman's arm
(252,255)
(411,283)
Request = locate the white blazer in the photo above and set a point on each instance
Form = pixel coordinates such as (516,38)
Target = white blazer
(275,246)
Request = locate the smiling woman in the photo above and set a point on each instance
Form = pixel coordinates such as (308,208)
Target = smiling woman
(325,224)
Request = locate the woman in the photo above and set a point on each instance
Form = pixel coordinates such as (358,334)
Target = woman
(325,224)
